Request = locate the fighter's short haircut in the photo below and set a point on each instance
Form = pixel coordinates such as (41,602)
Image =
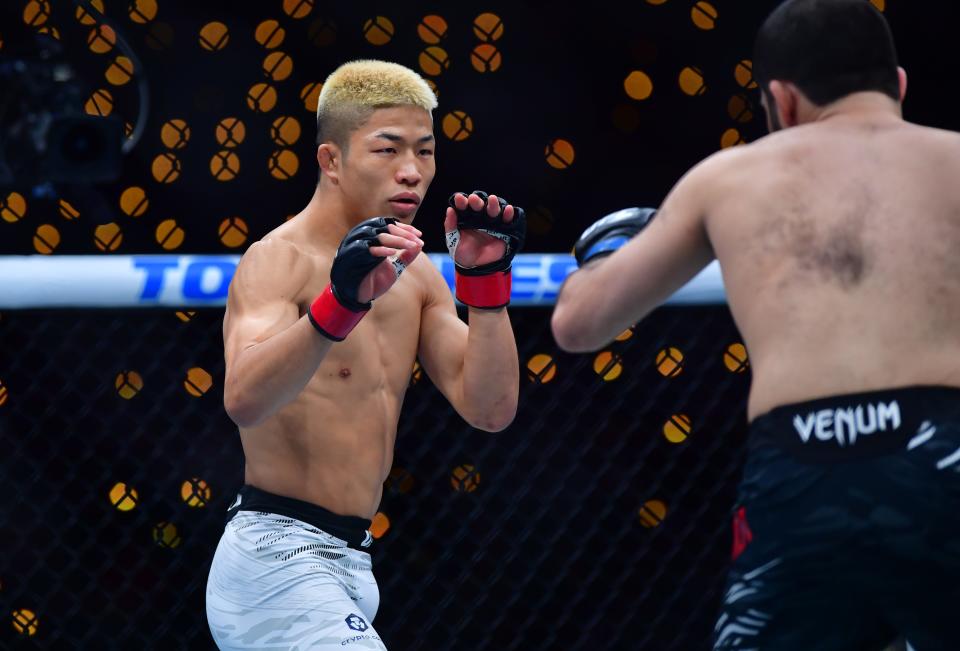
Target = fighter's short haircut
(356,89)
(828,48)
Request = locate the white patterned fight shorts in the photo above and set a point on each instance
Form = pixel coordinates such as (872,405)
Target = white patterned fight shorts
(285,583)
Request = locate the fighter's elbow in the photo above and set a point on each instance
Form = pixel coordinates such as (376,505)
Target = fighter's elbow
(571,334)
(241,414)
(242,409)
(494,422)
(496,417)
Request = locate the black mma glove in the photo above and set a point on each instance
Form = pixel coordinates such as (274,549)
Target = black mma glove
(338,310)
(609,233)
(487,285)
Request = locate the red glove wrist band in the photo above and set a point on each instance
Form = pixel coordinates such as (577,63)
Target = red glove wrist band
(331,318)
(490,291)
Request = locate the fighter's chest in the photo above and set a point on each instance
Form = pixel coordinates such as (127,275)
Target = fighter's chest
(385,341)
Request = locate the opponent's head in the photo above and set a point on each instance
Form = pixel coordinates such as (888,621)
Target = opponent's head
(375,137)
(812,53)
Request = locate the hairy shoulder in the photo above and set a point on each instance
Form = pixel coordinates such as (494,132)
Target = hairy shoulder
(708,181)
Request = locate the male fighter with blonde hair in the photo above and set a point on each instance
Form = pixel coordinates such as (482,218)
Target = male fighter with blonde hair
(320,334)
(839,239)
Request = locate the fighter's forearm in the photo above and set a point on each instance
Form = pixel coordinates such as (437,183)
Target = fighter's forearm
(491,373)
(268,375)
(576,322)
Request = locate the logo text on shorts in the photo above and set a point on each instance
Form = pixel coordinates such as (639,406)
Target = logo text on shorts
(846,424)
(356,623)
(359,638)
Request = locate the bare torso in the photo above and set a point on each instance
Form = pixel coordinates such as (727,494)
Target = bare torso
(333,444)
(840,249)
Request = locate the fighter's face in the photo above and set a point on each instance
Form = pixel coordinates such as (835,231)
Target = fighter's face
(390,163)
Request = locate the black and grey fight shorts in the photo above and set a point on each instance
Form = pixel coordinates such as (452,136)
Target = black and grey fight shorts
(847,531)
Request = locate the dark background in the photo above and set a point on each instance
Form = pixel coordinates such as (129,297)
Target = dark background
(561,77)
(549,551)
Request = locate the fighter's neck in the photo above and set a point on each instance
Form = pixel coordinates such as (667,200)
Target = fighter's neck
(861,107)
(327,218)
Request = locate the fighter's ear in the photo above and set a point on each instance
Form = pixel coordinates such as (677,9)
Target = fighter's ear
(328,156)
(786,102)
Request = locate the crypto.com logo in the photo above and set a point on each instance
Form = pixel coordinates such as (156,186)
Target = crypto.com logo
(356,623)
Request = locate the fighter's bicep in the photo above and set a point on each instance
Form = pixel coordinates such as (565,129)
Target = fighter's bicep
(262,297)
(443,335)
(673,246)
(246,327)
(657,262)
(685,207)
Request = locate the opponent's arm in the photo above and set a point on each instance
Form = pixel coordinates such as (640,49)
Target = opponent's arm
(622,277)
(475,367)
(271,351)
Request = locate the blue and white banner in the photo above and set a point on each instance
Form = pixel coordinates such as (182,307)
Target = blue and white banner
(38,281)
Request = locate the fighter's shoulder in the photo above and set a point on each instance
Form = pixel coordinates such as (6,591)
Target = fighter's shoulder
(425,273)
(423,269)
(274,251)
(933,136)
(274,263)
(717,171)
(733,159)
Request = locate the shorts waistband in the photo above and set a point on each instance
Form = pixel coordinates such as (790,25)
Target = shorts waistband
(351,529)
(856,425)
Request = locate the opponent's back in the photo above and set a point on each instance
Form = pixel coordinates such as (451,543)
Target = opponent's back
(840,247)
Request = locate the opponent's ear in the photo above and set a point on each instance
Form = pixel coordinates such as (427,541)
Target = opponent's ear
(902,76)
(328,156)
(786,103)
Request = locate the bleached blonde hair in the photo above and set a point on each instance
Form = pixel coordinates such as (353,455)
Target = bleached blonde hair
(354,90)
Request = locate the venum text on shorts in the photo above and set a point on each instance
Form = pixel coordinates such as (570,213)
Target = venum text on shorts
(845,425)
